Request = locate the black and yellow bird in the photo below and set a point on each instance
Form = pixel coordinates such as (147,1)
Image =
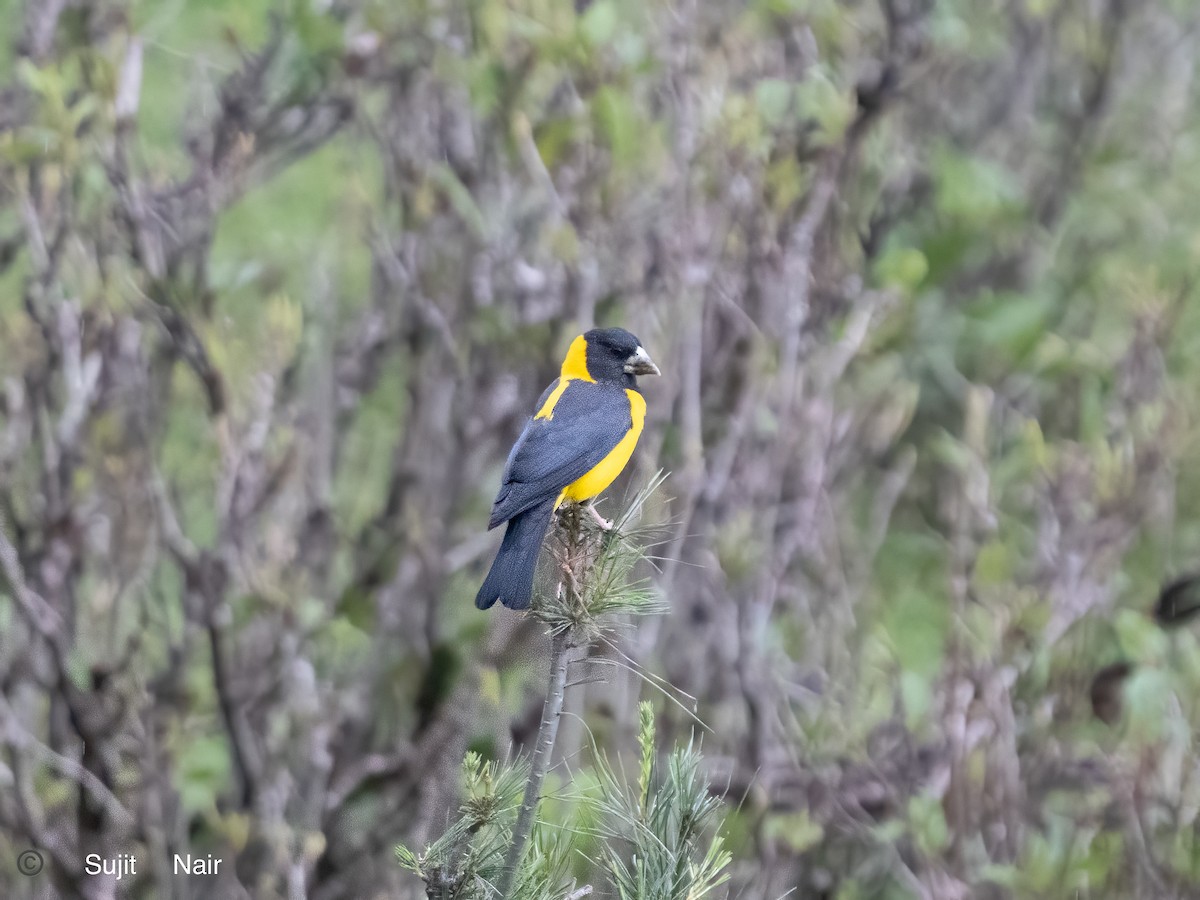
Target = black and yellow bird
(580,437)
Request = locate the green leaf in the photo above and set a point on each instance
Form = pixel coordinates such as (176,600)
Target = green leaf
(492,22)
(460,199)
(599,23)
(1140,638)
(1149,698)
(485,82)
(1005,330)
(47,82)
(618,123)
(554,139)
(972,188)
(916,691)
(797,831)
(928,822)
(993,564)
(203,769)
(902,268)
(320,35)
(773,97)
(915,620)
(819,99)
(1002,874)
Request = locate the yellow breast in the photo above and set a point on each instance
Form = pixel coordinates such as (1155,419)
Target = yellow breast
(605,472)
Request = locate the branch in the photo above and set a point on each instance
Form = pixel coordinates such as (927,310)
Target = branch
(547,732)
(18,737)
(42,617)
(41,24)
(246,761)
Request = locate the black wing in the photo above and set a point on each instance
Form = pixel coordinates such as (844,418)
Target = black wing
(589,421)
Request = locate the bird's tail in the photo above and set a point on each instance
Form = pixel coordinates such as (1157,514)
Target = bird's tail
(510,579)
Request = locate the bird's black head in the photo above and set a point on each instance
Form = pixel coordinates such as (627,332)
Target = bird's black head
(615,355)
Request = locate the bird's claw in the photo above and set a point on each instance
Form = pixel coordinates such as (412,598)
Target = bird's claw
(605,524)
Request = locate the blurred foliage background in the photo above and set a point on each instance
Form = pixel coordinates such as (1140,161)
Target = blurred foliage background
(279,283)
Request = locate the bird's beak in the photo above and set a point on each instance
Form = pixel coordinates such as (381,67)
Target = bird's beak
(641,364)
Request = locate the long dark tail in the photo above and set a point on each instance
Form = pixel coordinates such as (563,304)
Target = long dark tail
(511,577)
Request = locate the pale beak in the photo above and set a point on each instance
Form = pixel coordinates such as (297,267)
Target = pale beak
(641,364)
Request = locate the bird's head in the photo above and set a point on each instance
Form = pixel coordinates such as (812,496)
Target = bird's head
(613,355)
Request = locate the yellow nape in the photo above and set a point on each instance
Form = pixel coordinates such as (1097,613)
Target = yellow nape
(606,471)
(575,365)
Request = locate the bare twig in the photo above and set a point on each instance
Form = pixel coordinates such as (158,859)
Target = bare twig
(41,615)
(560,647)
(18,736)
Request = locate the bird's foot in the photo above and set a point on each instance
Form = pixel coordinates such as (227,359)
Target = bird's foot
(605,524)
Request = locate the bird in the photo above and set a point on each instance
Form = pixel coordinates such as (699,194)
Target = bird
(582,433)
